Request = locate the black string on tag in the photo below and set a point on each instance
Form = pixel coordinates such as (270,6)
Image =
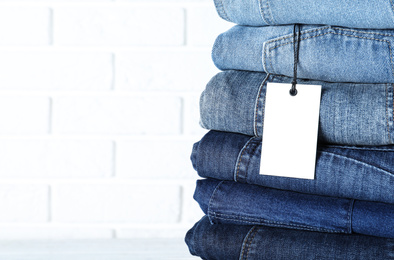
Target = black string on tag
(296,47)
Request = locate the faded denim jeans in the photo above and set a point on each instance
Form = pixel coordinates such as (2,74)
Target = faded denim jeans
(327,53)
(350,114)
(229,202)
(363,172)
(253,242)
(357,14)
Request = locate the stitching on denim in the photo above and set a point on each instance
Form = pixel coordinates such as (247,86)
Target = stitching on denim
(360,162)
(392,6)
(264,222)
(260,221)
(240,158)
(246,170)
(364,148)
(350,216)
(365,32)
(221,6)
(246,239)
(250,243)
(261,12)
(322,34)
(387,113)
(303,32)
(267,18)
(269,10)
(257,105)
(211,198)
(324,28)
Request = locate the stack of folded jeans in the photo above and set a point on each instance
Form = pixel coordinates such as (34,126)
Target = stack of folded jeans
(347,211)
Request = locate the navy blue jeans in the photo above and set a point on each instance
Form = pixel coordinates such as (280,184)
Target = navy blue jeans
(228,202)
(363,173)
(252,242)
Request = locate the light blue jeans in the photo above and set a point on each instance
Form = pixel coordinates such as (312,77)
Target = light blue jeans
(358,14)
(363,172)
(326,53)
(350,114)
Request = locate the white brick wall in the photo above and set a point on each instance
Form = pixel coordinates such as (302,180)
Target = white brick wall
(98,114)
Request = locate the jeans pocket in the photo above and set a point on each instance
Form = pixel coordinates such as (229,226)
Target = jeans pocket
(333,54)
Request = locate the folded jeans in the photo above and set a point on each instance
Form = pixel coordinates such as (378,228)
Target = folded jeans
(229,202)
(358,14)
(326,53)
(350,114)
(253,242)
(357,172)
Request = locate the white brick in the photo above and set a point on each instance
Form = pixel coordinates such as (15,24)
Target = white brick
(164,71)
(56,71)
(204,25)
(24,115)
(117,115)
(23,203)
(180,1)
(118,26)
(191,211)
(22,232)
(57,158)
(156,231)
(192,116)
(116,203)
(161,159)
(24,26)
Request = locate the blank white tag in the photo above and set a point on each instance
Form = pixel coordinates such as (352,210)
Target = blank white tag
(290,131)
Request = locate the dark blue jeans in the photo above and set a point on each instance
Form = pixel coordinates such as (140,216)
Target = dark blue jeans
(363,173)
(228,202)
(227,241)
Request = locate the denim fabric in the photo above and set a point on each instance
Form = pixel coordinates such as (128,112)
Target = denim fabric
(363,173)
(228,202)
(326,53)
(259,242)
(357,14)
(351,114)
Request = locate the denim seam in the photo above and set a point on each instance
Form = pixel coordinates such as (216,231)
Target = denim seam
(350,216)
(322,34)
(260,221)
(364,32)
(246,239)
(387,113)
(211,199)
(324,28)
(266,13)
(365,148)
(360,162)
(239,159)
(250,243)
(261,12)
(257,105)
(251,154)
(392,6)
(303,32)
(221,11)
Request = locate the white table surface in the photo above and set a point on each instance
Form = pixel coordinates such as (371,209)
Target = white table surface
(114,249)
